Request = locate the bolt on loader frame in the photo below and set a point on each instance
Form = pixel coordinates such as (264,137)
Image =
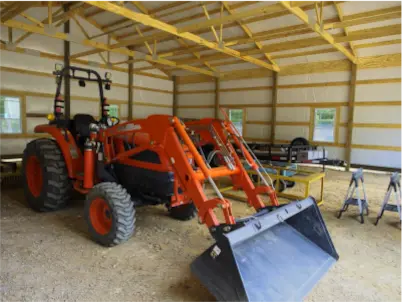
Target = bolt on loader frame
(99,159)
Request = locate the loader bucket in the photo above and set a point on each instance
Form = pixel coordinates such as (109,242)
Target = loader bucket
(276,256)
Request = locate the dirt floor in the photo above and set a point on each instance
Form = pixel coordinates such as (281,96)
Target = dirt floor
(49,256)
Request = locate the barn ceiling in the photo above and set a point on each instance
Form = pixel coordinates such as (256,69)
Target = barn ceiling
(211,38)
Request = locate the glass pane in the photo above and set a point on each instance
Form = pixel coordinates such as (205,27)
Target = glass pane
(10,115)
(114,110)
(236,117)
(324,125)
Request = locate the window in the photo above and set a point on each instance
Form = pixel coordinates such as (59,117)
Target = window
(324,125)
(114,110)
(10,114)
(236,117)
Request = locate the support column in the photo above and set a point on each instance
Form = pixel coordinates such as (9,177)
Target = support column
(67,94)
(351,110)
(217,89)
(130,89)
(175,95)
(273,108)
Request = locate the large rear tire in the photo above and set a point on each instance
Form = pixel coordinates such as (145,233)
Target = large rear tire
(46,183)
(184,212)
(110,214)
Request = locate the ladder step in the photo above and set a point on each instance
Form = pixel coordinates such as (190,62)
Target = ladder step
(354,202)
(391,207)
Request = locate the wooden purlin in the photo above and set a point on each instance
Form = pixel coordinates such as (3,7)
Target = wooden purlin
(300,14)
(148,21)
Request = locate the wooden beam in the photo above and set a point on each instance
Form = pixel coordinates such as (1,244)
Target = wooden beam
(264,10)
(148,21)
(167,6)
(354,22)
(299,13)
(13,12)
(175,96)
(372,13)
(130,90)
(345,30)
(371,33)
(376,44)
(351,109)
(217,97)
(274,104)
(248,32)
(101,46)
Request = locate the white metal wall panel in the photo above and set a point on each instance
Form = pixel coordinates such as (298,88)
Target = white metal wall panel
(86,107)
(35,104)
(26,82)
(376,136)
(342,134)
(340,76)
(377,114)
(376,158)
(196,113)
(244,97)
(379,73)
(258,131)
(152,97)
(259,114)
(197,86)
(144,111)
(336,153)
(32,122)
(196,99)
(246,83)
(378,92)
(149,82)
(314,94)
(293,114)
(290,132)
(13,145)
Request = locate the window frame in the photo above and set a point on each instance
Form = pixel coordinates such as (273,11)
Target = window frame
(22,103)
(243,123)
(335,125)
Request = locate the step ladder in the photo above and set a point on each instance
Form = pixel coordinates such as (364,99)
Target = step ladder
(356,201)
(394,186)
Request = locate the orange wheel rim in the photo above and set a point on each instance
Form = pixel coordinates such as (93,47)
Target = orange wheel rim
(100,216)
(33,174)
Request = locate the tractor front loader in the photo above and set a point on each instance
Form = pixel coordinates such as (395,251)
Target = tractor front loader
(277,254)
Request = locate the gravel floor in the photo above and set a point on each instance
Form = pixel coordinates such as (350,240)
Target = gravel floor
(49,256)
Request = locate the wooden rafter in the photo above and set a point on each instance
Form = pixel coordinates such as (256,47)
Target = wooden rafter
(267,9)
(345,29)
(102,46)
(299,13)
(144,10)
(148,21)
(15,9)
(248,32)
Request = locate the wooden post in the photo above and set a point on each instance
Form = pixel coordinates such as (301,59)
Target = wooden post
(130,89)
(217,89)
(175,95)
(274,102)
(351,109)
(67,92)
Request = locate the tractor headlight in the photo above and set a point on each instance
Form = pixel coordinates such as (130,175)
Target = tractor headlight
(108,75)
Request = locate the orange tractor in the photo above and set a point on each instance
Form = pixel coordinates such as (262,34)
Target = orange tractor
(279,253)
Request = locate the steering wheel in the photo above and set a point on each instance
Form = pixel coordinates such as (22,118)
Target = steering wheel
(112,121)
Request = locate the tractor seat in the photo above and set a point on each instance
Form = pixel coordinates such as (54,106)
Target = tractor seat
(80,127)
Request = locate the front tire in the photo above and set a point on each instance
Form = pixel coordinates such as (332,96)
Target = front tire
(46,183)
(110,214)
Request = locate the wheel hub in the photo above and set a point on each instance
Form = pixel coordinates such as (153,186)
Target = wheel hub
(33,174)
(100,216)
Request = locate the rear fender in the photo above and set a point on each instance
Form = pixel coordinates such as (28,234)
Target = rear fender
(71,153)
